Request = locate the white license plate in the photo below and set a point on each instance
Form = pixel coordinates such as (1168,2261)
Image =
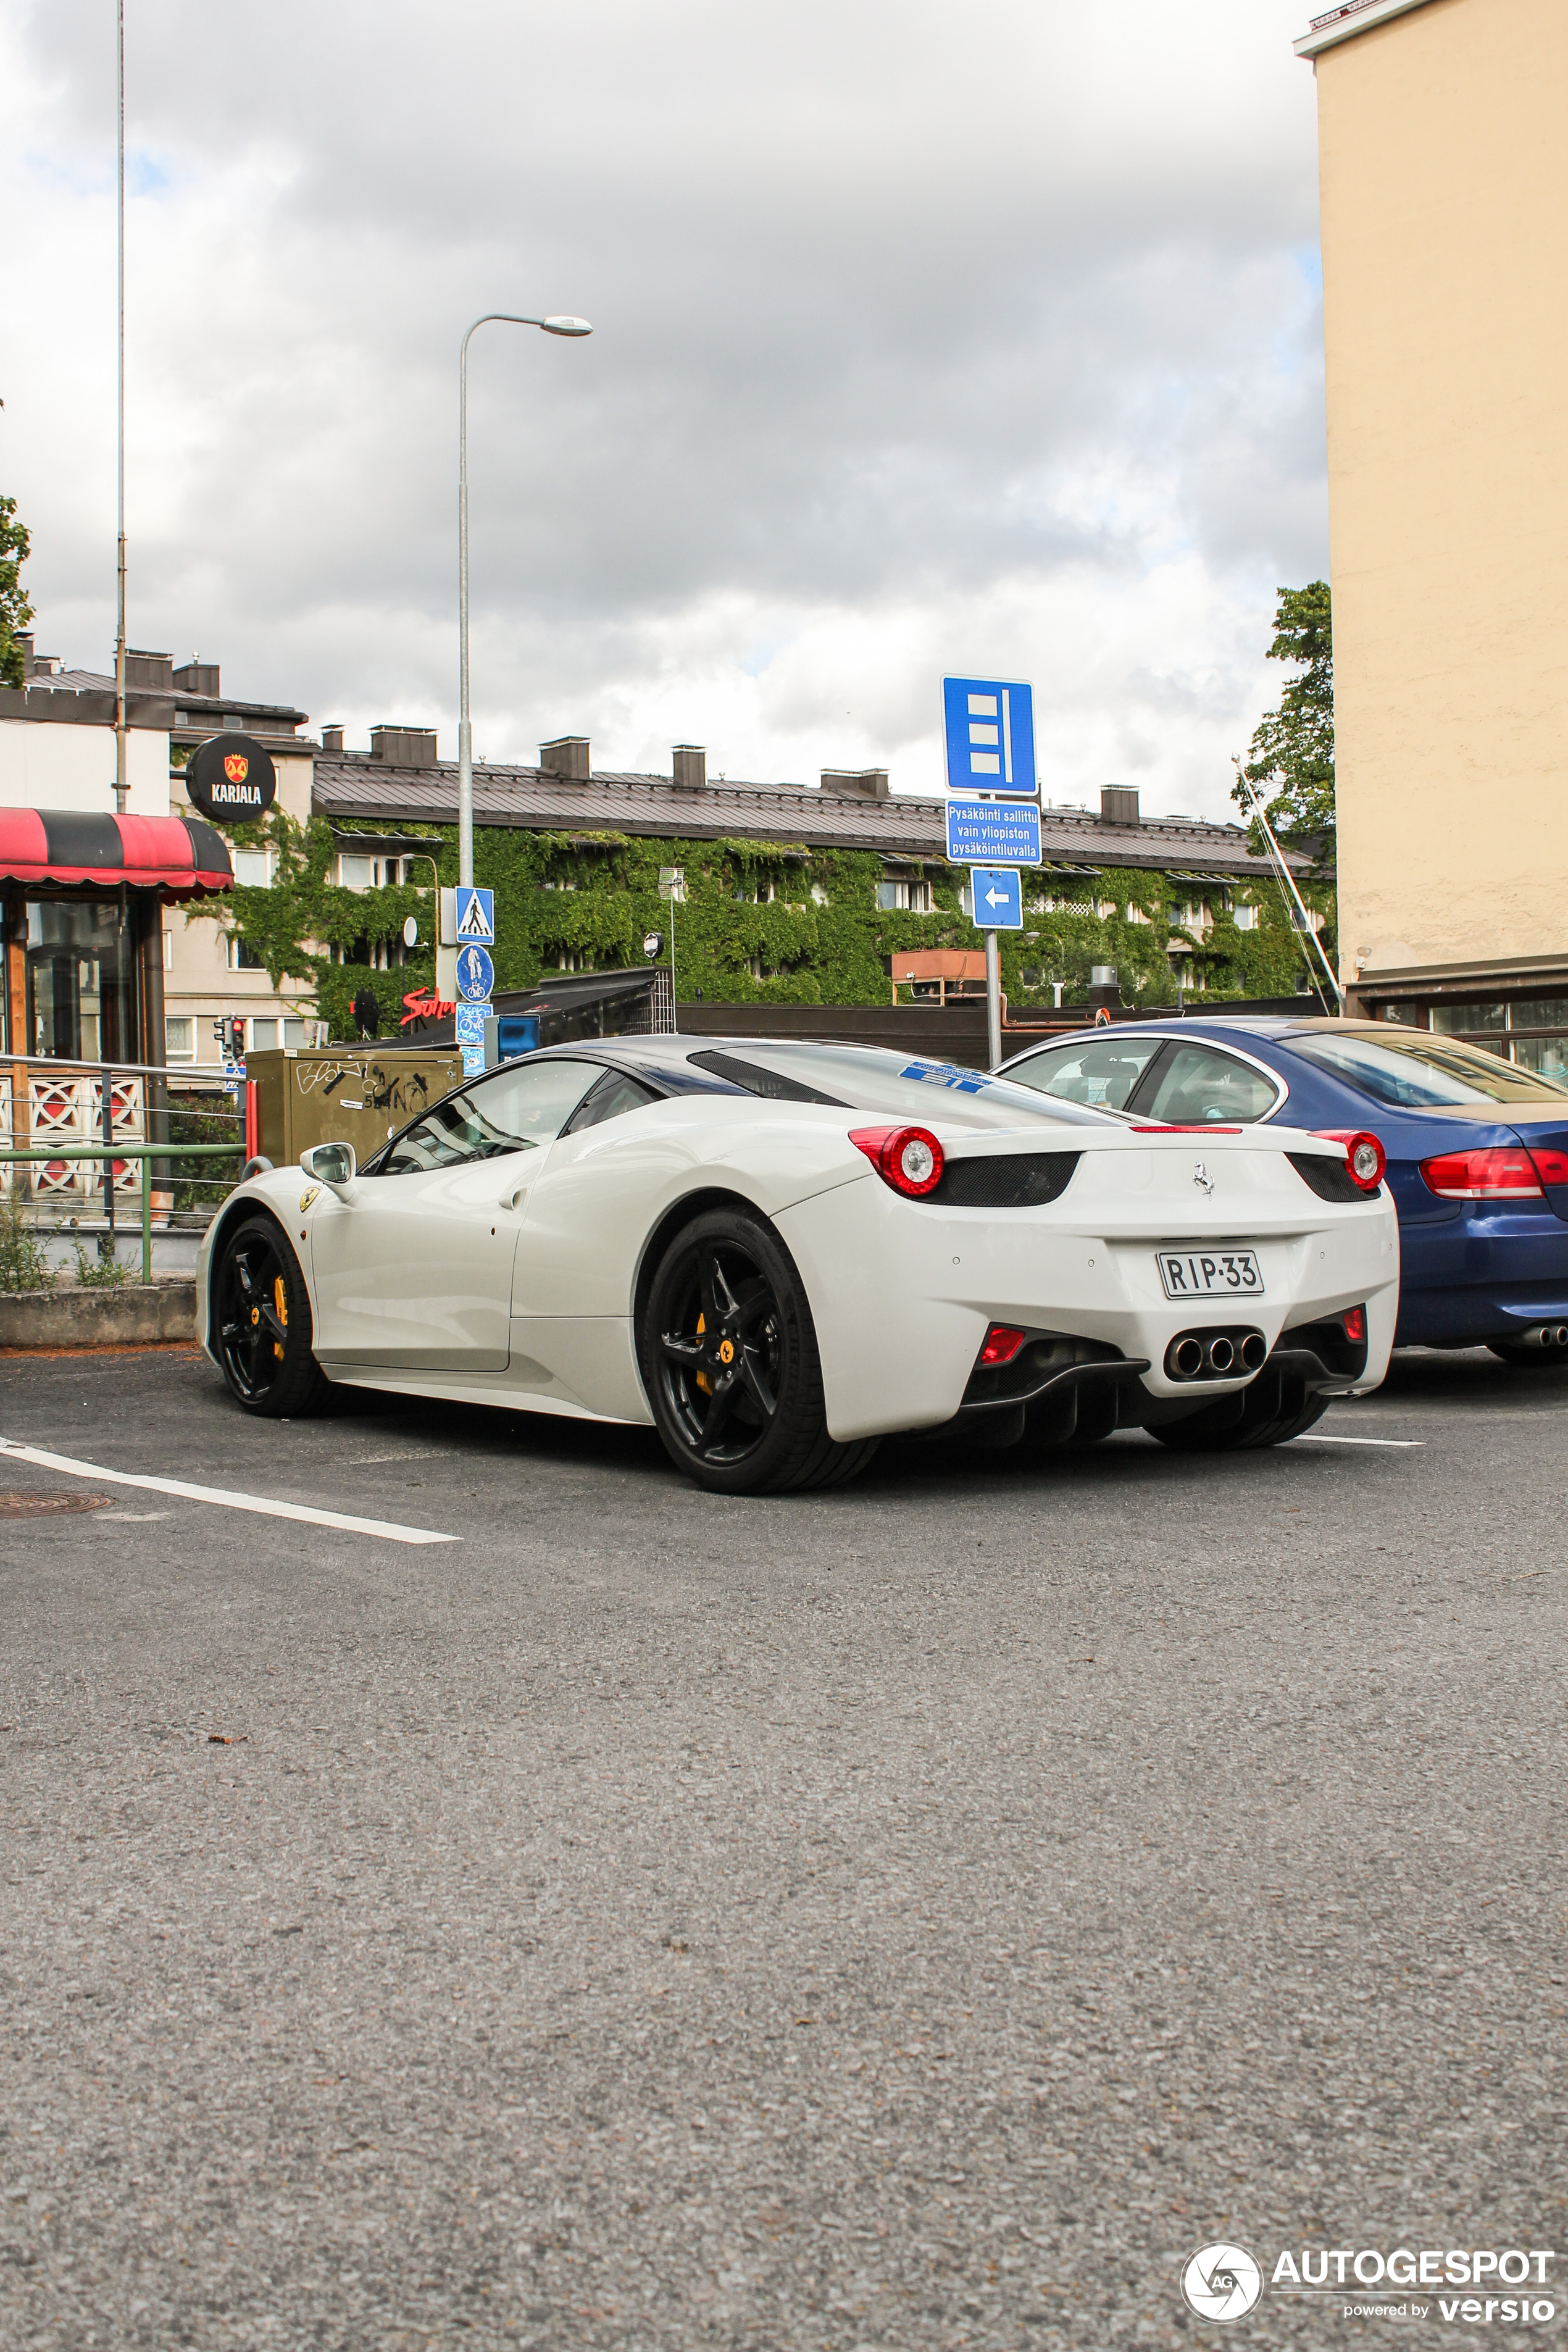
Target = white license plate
(1210,1274)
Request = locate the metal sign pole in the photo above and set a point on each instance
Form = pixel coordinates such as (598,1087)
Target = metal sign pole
(992,1000)
(122,777)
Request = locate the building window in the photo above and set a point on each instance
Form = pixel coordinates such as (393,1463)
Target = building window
(81,997)
(179,1037)
(253,868)
(293,1033)
(242,956)
(911,897)
(354,873)
(168,950)
(819,895)
(1245,918)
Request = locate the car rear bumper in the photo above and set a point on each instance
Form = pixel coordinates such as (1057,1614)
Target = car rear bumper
(1481,1277)
(904,1293)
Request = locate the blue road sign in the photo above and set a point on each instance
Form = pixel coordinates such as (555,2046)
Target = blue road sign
(989,727)
(997,895)
(476,975)
(476,913)
(1001,833)
(470,1021)
(473,1061)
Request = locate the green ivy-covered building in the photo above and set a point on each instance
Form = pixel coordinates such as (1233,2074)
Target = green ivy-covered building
(787,894)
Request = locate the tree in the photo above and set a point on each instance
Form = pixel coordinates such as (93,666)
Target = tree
(1292,753)
(15,610)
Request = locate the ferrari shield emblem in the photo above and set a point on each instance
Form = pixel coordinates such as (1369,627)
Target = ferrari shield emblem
(235,767)
(307,1196)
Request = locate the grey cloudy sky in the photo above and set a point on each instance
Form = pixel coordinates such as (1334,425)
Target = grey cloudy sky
(925,339)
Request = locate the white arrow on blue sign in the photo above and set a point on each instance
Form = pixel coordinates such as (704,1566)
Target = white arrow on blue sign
(476,975)
(981,832)
(996,894)
(988,724)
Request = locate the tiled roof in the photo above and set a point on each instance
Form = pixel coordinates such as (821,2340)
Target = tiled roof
(373,792)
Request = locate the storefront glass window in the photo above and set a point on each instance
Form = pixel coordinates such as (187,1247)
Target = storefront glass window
(1540,1013)
(81,981)
(1547,1055)
(1451,1019)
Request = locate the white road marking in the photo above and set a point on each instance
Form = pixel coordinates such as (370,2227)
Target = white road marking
(1311,1437)
(226,1496)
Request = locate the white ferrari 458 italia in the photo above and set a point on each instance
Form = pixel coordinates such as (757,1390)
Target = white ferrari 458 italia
(779,1253)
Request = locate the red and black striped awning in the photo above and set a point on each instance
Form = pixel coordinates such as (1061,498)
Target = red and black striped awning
(179,856)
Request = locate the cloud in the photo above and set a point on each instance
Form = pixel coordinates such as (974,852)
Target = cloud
(921,339)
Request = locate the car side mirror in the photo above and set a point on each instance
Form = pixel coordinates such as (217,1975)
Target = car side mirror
(332,1164)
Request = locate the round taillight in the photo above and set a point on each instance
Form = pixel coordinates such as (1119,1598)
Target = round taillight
(909,1158)
(1365,1155)
(917,1159)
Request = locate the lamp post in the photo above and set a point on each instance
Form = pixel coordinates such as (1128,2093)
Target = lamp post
(560,326)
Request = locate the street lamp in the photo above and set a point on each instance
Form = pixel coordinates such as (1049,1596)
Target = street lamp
(465,739)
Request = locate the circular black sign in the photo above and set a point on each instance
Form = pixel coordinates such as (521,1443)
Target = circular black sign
(231,776)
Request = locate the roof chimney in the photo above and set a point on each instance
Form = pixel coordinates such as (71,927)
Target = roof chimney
(568,756)
(403,747)
(691,766)
(863,783)
(197,676)
(1119,805)
(148,673)
(333,741)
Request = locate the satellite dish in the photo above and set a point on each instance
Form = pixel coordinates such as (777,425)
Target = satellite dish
(411,932)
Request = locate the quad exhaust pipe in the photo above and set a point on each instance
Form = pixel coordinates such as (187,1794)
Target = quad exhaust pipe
(1550,1335)
(1216,1355)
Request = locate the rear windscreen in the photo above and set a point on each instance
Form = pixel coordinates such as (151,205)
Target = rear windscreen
(915,1086)
(1410,1073)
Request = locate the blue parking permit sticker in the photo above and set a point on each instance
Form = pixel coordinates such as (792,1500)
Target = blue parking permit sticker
(945,1073)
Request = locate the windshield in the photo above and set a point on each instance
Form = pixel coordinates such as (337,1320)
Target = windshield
(1423,1072)
(914,1086)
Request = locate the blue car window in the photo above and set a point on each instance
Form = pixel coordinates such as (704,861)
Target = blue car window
(1199,1085)
(1099,1071)
(1415,1072)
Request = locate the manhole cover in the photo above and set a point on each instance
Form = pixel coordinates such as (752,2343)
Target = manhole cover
(39,1507)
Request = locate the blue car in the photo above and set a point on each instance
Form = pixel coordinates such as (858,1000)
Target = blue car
(1476,1150)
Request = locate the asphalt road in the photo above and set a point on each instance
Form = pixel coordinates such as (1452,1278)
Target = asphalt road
(915,1917)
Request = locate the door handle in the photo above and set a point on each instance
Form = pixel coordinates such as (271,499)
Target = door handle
(512,1195)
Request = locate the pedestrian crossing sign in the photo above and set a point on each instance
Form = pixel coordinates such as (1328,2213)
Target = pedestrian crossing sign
(476,915)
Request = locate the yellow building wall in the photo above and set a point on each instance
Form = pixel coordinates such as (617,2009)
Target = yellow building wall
(1443,141)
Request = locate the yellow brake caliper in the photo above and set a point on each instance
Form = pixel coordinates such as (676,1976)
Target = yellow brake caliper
(280,1300)
(703,1383)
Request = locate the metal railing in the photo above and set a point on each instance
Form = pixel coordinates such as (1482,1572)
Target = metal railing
(146,1152)
(54,1105)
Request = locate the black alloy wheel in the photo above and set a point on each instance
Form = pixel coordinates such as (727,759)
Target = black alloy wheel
(262,1323)
(1275,1408)
(731,1364)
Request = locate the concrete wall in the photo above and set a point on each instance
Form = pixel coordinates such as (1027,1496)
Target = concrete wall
(52,764)
(1443,140)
